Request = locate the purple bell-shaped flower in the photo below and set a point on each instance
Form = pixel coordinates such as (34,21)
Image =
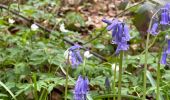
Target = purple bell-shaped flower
(154,29)
(120,34)
(81,88)
(164,16)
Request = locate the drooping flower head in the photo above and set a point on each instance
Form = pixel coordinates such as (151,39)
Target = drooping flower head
(75,56)
(120,34)
(154,29)
(81,88)
(162,19)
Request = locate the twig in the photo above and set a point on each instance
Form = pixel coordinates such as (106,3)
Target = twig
(117,15)
(48,30)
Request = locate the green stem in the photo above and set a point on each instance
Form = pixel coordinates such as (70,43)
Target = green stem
(66,84)
(120,75)
(43,95)
(115,95)
(84,63)
(158,76)
(35,86)
(114,81)
(146,56)
(145,67)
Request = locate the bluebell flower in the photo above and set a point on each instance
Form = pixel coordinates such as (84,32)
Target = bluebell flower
(154,29)
(81,88)
(168,48)
(163,59)
(164,16)
(75,56)
(120,34)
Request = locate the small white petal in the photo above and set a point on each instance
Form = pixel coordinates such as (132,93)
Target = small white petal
(34,27)
(62,28)
(11,21)
(87,54)
(66,54)
(167,37)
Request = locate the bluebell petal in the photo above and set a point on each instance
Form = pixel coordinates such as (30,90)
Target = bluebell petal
(126,33)
(168,48)
(75,47)
(112,26)
(75,56)
(122,47)
(114,31)
(164,17)
(107,21)
(154,29)
(163,59)
(118,36)
(167,6)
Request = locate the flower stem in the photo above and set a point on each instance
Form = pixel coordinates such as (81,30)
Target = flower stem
(120,75)
(66,84)
(145,67)
(114,81)
(158,76)
(84,63)
(146,56)
(35,86)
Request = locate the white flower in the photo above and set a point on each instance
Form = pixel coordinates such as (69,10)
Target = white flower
(34,27)
(87,54)
(66,54)
(11,21)
(115,67)
(62,28)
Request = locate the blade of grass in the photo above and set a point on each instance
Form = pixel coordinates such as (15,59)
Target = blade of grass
(153,83)
(8,90)
(43,94)
(35,86)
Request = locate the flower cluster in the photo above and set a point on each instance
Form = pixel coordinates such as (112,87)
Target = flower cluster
(165,53)
(74,55)
(81,88)
(120,34)
(162,20)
